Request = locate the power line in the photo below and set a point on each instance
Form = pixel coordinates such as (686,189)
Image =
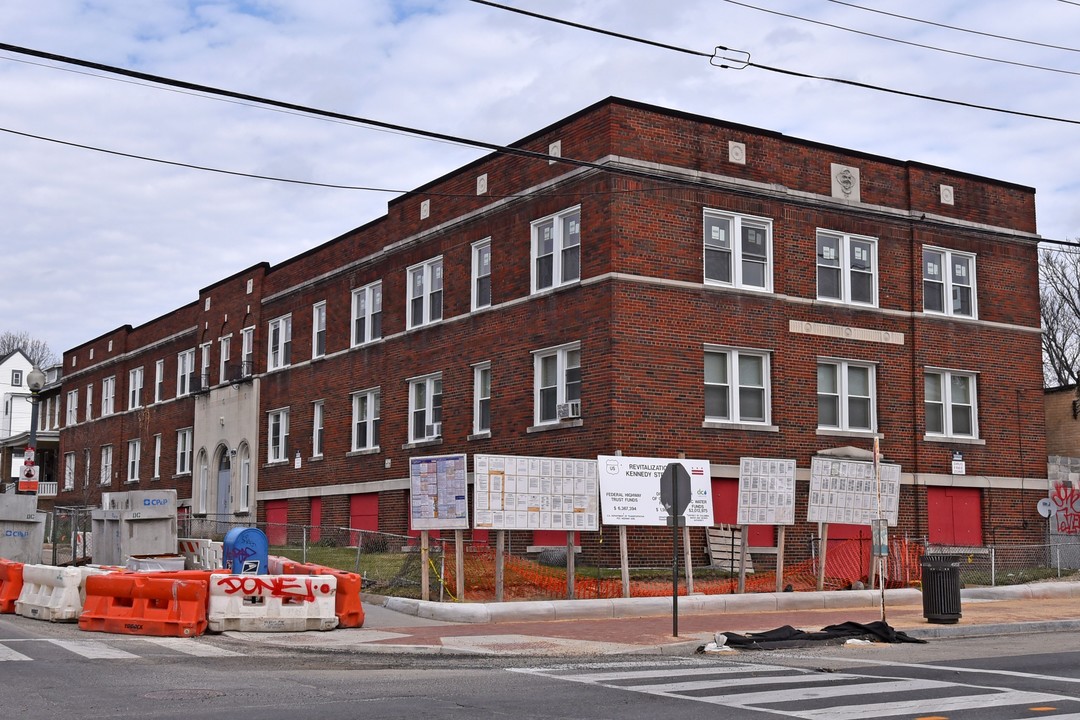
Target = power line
(954,27)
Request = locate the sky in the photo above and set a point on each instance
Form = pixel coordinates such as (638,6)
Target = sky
(94,240)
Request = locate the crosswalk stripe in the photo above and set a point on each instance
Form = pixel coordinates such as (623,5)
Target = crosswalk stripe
(189,646)
(604,677)
(7,653)
(831,691)
(819,686)
(93,650)
(937,705)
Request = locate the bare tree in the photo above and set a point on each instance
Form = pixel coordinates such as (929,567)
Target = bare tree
(1059,275)
(36,349)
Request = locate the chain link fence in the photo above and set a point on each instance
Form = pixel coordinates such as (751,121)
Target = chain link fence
(995,565)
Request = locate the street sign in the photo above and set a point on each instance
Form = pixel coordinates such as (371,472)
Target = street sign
(28,479)
(675,489)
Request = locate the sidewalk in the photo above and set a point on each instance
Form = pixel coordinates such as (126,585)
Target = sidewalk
(644,625)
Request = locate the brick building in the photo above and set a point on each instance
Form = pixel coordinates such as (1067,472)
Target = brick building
(693,285)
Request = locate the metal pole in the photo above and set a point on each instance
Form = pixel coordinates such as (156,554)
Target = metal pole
(674,560)
(34,380)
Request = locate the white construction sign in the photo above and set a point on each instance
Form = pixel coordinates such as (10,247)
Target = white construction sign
(766,492)
(535,493)
(437,493)
(847,491)
(630,491)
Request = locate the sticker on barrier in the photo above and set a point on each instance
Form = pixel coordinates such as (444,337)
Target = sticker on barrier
(272,603)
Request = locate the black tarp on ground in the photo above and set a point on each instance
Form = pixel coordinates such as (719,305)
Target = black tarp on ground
(788,637)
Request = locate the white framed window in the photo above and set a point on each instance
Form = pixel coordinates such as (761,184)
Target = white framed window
(366,419)
(950,404)
(425,408)
(184,448)
(204,368)
(737,387)
(481,274)
(279,353)
(482,398)
(135,386)
(134,452)
(108,396)
(556,249)
(738,251)
(318,329)
(224,353)
(247,351)
(159,381)
(106,464)
(557,383)
(949,282)
(245,477)
(846,268)
(69,471)
(367,313)
(317,428)
(185,372)
(277,435)
(16,378)
(425,293)
(89,402)
(157,456)
(846,395)
(72,407)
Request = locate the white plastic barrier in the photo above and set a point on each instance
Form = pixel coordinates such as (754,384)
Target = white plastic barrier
(201,554)
(272,603)
(54,593)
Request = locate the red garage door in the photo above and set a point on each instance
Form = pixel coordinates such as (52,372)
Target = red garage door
(277,519)
(725,505)
(954,515)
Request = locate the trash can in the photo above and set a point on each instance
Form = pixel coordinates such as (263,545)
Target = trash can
(941,588)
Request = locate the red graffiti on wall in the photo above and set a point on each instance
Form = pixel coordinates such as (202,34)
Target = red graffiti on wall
(287,587)
(1066,501)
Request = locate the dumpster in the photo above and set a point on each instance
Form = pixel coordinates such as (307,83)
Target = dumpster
(941,588)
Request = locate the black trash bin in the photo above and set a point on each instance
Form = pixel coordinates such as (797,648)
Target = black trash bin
(941,588)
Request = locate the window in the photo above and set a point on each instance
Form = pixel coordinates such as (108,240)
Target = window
(318,329)
(185,372)
(133,451)
(106,464)
(247,351)
(949,282)
(736,386)
(557,383)
(738,251)
(846,268)
(425,408)
(481,274)
(108,395)
(280,352)
(950,404)
(425,293)
(183,451)
(245,477)
(277,436)
(157,456)
(846,396)
(89,402)
(204,368)
(365,419)
(556,250)
(482,398)
(16,378)
(159,381)
(135,385)
(317,423)
(86,467)
(72,407)
(367,313)
(69,471)
(224,352)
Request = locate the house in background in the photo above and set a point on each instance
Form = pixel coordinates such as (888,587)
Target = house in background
(15,420)
(630,278)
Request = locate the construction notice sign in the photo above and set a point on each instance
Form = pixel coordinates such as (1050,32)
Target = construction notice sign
(534,493)
(766,492)
(851,492)
(437,493)
(630,491)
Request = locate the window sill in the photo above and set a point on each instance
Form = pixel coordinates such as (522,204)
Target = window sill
(181,475)
(752,427)
(830,432)
(427,442)
(486,435)
(315,458)
(131,481)
(540,292)
(719,285)
(364,451)
(276,463)
(953,440)
(555,426)
(366,343)
(947,316)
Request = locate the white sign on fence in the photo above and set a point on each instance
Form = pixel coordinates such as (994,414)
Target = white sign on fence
(766,492)
(438,499)
(535,493)
(630,491)
(847,491)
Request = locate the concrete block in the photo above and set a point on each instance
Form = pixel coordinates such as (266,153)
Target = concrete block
(525,611)
(584,609)
(754,602)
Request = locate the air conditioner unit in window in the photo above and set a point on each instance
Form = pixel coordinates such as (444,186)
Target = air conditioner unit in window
(433,430)
(568,410)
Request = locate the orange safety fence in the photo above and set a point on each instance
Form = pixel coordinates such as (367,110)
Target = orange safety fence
(11,584)
(140,604)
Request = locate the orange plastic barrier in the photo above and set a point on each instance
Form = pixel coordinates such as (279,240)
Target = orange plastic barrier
(347,605)
(11,584)
(138,604)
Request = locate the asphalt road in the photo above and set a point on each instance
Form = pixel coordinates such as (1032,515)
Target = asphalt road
(51,671)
